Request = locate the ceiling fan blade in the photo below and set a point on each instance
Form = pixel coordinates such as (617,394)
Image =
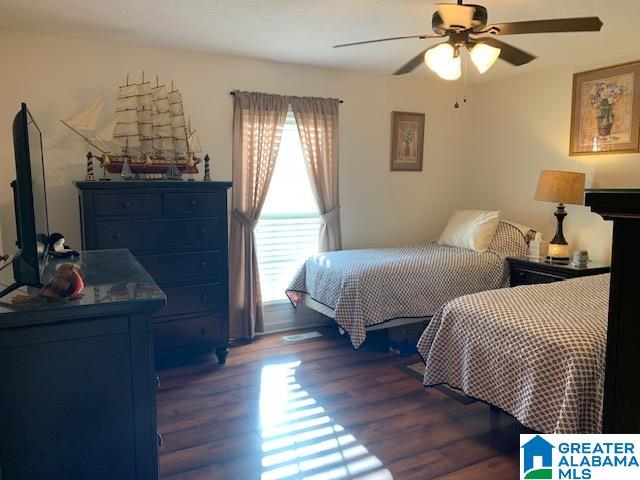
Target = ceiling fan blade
(423,36)
(412,64)
(508,53)
(582,24)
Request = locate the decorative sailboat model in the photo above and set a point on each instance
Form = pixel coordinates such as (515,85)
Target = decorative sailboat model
(148,134)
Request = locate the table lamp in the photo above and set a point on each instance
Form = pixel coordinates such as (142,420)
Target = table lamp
(560,187)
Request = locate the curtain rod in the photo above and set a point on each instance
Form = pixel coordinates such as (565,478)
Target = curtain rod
(234,94)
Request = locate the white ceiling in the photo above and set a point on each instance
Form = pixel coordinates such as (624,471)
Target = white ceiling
(303,31)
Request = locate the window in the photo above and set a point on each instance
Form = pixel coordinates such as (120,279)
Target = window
(288,229)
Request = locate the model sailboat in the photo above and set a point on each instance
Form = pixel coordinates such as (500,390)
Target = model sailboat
(148,131)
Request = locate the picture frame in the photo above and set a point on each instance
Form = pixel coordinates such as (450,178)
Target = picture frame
(605,110)
(407,141)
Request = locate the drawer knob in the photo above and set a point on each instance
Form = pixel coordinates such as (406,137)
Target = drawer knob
(203,265)
(522,274)
(203,231)
(116,236)
(203,298)
(126,205)
(203,330)
(193,203)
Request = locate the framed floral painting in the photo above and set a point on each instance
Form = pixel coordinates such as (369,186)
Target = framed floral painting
(605,113)
(407,141)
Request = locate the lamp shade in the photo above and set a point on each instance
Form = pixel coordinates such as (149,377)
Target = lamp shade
(561,187)
(483,56)
(443,60)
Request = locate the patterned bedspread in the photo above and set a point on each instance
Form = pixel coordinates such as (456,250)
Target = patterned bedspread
(536,351)
(367,287)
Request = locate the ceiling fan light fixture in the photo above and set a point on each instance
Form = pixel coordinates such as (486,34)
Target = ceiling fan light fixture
(483,56)
(444,61)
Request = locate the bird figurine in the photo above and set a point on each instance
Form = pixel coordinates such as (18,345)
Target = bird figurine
(66,284)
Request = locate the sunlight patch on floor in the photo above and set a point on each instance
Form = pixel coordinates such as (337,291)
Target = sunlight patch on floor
(300,441)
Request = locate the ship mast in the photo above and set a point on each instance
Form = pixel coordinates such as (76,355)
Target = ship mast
(178,124)
(127,130)
(145,121)
(162,141)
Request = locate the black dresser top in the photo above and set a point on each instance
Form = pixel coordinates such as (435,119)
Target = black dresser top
(614,203)
(115,283)
(151,184)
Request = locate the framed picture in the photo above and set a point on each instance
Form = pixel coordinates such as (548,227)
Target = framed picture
(407,141)
(605,112)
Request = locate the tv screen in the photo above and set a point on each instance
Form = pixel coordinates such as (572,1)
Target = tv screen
(38,187)
(30,202)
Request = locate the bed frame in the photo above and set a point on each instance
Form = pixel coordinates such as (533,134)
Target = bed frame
(621,413)
(329,312)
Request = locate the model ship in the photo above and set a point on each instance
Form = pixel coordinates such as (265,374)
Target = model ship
(147,135)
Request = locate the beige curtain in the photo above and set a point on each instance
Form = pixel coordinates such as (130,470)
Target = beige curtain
(258,120)
(317,120)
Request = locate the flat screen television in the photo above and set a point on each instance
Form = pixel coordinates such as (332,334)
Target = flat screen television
(30,203)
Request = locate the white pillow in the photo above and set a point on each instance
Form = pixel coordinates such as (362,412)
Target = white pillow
(471,229)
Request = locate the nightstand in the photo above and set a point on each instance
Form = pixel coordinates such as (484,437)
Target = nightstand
(528,272)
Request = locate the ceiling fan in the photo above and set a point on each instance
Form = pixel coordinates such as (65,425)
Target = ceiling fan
(459,22)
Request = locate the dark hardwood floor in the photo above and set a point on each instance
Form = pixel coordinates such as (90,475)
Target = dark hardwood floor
(320,410)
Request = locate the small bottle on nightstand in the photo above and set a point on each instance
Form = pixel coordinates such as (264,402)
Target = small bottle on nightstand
(538,249)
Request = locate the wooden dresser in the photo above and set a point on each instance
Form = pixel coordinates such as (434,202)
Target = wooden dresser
(622,381)
(77,390)
(178,232)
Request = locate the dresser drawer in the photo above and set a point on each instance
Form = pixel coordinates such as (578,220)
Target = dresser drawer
(126,204)
(184,267)
(188,331)
(161,235)
(528,277)
(185,204)
(193,299)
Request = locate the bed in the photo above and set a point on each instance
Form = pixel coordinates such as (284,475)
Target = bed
(535,351)
(363,290)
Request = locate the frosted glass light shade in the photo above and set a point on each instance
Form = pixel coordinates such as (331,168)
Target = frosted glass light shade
(444,62)
(483,56)
(558,252)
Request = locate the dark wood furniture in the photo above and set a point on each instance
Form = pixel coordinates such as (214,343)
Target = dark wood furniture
(77,390)
(178,232)
(622,375)
(528,272)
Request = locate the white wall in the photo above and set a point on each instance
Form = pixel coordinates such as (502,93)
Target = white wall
(58,77)
(520,125)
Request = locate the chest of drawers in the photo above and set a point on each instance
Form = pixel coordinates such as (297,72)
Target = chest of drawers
(178,232)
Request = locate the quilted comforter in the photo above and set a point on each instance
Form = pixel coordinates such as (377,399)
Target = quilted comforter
(536,351)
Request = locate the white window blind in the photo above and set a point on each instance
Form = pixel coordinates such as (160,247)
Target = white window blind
(287,232)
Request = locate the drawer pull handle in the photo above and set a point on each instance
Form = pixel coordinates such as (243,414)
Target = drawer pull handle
(116,236)
(159,439)
(126,205)
(193,203)
(157,383)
